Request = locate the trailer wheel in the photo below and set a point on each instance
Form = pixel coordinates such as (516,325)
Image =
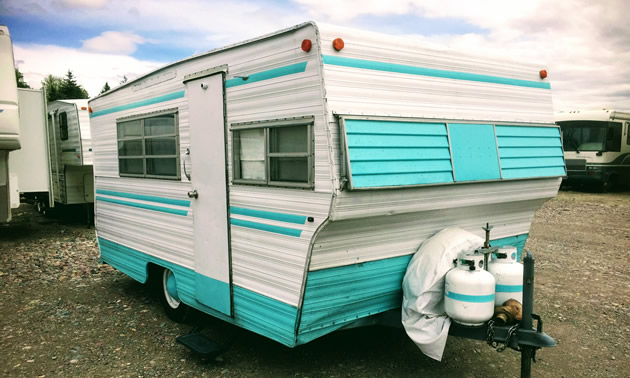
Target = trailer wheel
(166,286)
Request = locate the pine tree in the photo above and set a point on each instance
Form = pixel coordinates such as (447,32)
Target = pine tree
(105,88)
(20,80)
(70,90)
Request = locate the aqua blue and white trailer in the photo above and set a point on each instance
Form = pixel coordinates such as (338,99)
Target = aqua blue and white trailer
(282,184)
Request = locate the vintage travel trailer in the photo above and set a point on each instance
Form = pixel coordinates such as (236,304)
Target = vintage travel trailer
(70,146)
(596,146)
(9,123)
(283,184)
(30,165)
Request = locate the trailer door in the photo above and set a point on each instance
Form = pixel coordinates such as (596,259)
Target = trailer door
(209,191)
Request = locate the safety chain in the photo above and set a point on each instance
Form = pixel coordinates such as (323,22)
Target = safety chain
(492,342)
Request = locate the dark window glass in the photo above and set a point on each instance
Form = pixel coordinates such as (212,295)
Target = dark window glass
(288,139)
(289,169)
(160,146)
(63,126)
(161,166)
(130,148)
(163,125)
(131,166)
(130,129)
(613,137)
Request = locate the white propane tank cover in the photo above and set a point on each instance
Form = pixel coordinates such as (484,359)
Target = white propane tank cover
(508,274)
(469,291)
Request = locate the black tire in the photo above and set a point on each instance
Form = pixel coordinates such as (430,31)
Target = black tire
(175,309)
(607,185)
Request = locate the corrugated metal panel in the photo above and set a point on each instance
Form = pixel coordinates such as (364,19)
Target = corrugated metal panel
(337,296)
(253,311)
(384,153)
(530,151)
(394,222)
(263,261)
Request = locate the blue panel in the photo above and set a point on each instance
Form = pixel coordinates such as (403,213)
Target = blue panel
(474,152)
(470,298)
(423,71)
(508,288)
(358,126)
(530,151)
(387,154)
(399,179)
(143,206)
(290,218)
(379,140)
(334,297)
(266,75)
(138,104)
(403,166)
(394,153)
(213,293)
(252,311)
(168,201)
(266,227)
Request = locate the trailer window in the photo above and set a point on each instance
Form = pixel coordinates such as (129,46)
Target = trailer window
(63,126)
(613,137)
(149,146)
(274,153)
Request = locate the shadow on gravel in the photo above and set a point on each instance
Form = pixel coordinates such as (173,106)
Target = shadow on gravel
(28,223)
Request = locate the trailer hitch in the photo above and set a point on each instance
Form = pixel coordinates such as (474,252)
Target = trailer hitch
(522,337)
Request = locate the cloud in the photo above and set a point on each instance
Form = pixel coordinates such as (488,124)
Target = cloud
(92,69)
(114,42)
(84,3)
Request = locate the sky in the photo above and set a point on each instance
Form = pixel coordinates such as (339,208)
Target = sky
(583,44)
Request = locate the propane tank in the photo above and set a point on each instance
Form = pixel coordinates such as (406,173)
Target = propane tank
(469,291)
(508,274)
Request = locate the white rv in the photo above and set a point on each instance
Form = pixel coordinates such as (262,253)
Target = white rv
(70,146)
(9,123)
(31,164)
(596,146)
(282,184)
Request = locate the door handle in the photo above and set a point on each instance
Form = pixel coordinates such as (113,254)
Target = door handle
(193,194)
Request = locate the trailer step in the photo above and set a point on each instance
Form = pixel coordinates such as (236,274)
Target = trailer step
(202,345)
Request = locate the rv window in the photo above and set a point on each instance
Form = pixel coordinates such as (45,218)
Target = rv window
(613,137)
(275,156)
(149,147)
(63,126)
(628,133)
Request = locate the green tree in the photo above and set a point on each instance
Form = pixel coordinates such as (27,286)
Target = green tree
(70,90)
(20,80)
(53,87)
(105,88)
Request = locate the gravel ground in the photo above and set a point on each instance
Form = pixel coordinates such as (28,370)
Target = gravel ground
(63,314)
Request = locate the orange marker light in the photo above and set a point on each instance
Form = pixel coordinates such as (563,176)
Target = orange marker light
(83,108)
(338,44)
(90,109)
(543,74)
(306,45)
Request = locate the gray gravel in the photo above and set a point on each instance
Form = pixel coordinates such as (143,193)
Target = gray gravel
(64,314)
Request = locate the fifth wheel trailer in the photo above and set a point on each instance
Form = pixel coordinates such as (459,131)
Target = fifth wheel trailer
(283,184)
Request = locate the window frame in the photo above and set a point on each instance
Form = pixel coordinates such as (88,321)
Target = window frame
(142,117)
(267,125)
(63,126)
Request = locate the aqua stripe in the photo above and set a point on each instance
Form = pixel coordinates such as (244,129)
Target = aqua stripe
(470,298)
(143,206)
(508,288)
(266,227)
(150,101)
(142,197)
(290,218)
(266,75)
(253,311)
(422,71)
